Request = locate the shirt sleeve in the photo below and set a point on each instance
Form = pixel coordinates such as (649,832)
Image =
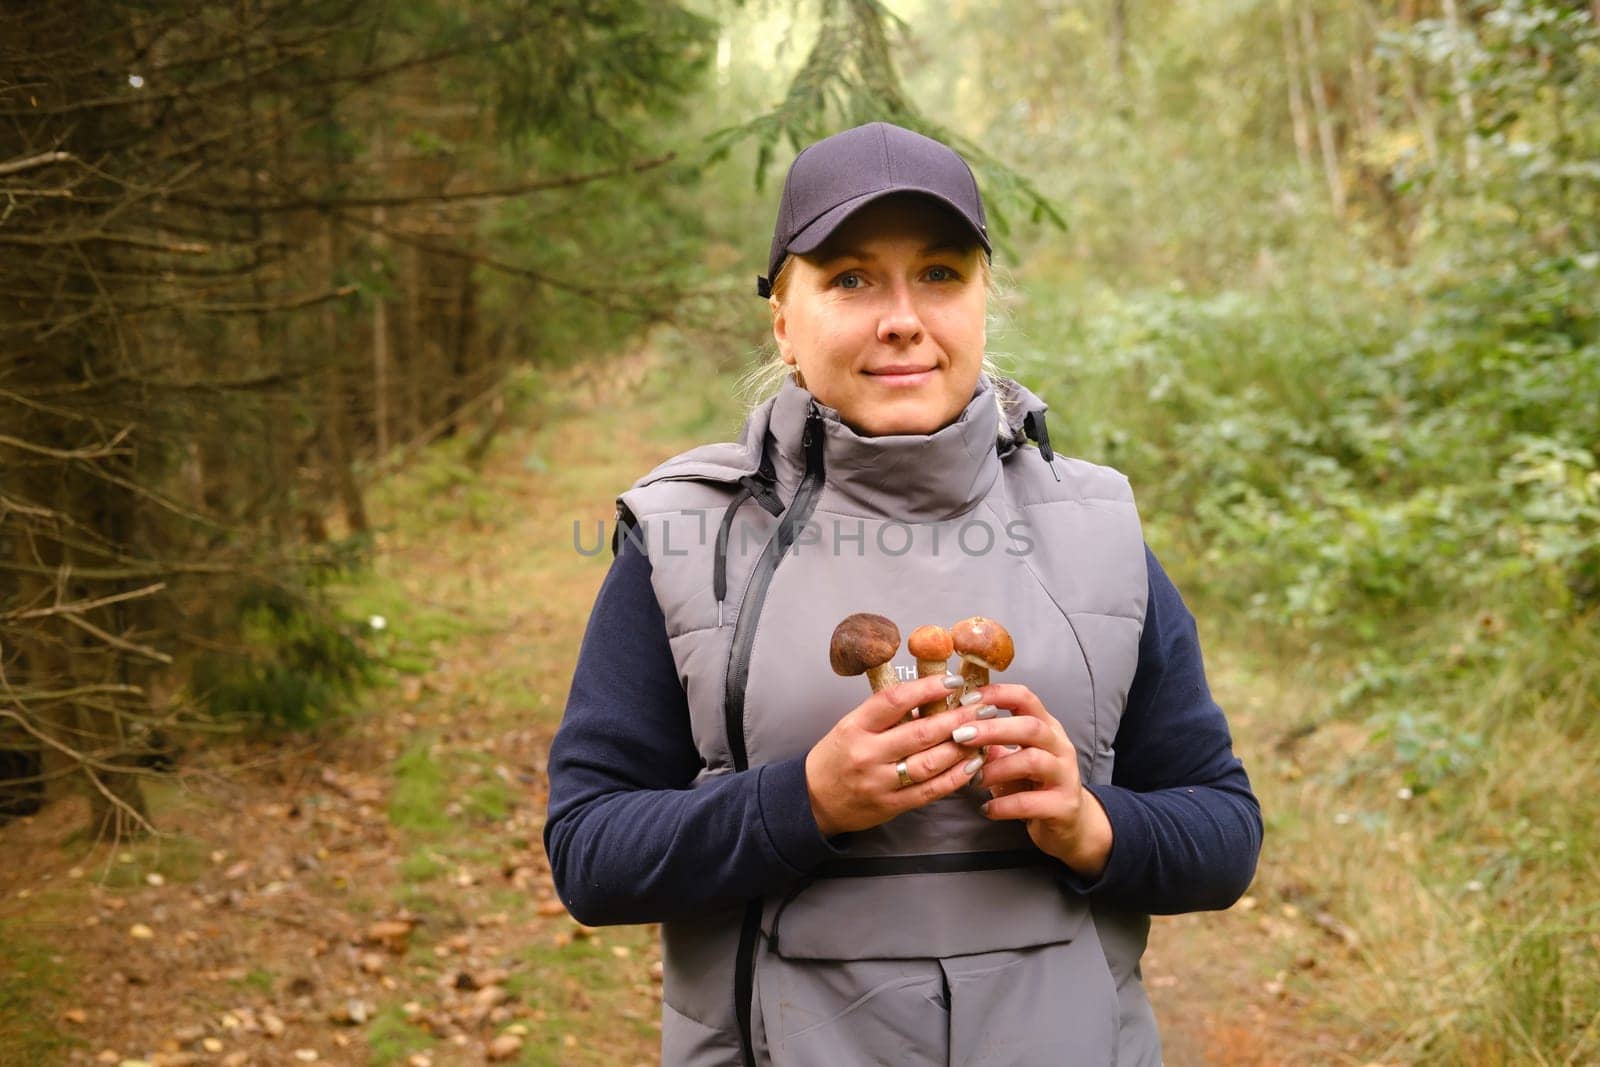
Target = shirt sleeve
(630,836)
(1186,827)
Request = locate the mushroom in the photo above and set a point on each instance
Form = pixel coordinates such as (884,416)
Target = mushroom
(932,647)
(983,645)
(864,644)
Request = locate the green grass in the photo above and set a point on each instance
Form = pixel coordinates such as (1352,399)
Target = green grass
(175,857)
(417,804)
(423,865)
(258,979)
(391,1037)
(490,800)
(576,985)
(34,984)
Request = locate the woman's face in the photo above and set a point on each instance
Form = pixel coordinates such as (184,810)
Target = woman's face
(885,321)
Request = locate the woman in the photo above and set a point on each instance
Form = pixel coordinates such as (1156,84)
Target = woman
(839,882)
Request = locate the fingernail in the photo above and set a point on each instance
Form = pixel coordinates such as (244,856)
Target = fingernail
(977,779)
(969,699)
(963,734)
(972,765)
(1013,748)
(952,681)
(988,711)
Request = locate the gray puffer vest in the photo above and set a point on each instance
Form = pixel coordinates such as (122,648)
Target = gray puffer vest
(939,937)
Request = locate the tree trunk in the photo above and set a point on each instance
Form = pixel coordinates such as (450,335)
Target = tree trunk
(1119,39)
(1463,91)
(1420,113)
(338,452)
(1324,117)
(1297,103)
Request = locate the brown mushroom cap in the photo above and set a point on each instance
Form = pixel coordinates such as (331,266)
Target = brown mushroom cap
(930,642)
(983,641)
(861,642)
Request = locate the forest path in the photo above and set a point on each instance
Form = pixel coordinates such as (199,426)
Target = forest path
(379,894)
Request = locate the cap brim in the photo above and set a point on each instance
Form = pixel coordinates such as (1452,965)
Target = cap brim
(821,228)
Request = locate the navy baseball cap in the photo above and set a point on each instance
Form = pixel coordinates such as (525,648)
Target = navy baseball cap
(833,179)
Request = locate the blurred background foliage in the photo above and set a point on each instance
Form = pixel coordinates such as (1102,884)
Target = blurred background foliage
(1320,275)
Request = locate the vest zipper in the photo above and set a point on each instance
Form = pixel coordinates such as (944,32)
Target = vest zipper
(800,508)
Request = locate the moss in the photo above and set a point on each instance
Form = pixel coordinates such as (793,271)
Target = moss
(417,803)
(33,984)
(391,1037)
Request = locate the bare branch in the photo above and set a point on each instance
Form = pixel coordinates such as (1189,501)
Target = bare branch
(306,203)
(43,159)
(96,452)
(118,642)
(79,606)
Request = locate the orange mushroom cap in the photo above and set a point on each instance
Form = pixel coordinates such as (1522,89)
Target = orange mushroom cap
(983,641)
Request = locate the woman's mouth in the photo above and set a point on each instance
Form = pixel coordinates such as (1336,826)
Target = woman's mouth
(901,374)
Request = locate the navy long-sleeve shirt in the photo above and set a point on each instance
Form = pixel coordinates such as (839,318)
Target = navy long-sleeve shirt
(629,841)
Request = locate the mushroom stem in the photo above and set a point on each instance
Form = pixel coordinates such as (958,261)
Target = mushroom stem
(881,677)
(927,668)
(932,647)
(973,676)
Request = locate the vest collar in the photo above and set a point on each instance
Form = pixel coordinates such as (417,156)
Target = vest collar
(906,477)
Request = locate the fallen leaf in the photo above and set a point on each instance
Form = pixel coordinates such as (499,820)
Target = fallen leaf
(504,1047)
(550,908)
(392,934)
(75,1015)
(489,996)
(140,932)
(174,1059)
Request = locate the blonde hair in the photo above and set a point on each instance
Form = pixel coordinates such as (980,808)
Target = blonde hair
(765,378)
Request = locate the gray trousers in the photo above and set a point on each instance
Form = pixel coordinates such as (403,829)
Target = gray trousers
(1044,1006)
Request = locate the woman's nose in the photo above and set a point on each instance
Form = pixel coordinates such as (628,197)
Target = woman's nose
(900,323)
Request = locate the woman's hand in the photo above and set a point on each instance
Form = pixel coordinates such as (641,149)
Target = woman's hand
(851,773)
(1039,782)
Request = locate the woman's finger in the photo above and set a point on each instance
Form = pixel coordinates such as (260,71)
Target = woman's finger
(932,762)
(1028,765)
(901,741)
(1029,804)
(887,707)
(1021,730)
(1018,698)
(938,787)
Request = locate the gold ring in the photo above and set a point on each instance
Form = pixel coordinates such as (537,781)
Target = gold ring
(905,775)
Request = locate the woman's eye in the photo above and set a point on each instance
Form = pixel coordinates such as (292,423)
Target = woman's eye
(941,274)
(848,280)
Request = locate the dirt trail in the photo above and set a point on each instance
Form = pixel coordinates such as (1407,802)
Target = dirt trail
(379,894)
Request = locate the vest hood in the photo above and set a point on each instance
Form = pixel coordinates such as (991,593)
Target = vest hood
(910,477)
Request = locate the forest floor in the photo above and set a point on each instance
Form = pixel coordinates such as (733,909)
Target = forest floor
(377,893)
